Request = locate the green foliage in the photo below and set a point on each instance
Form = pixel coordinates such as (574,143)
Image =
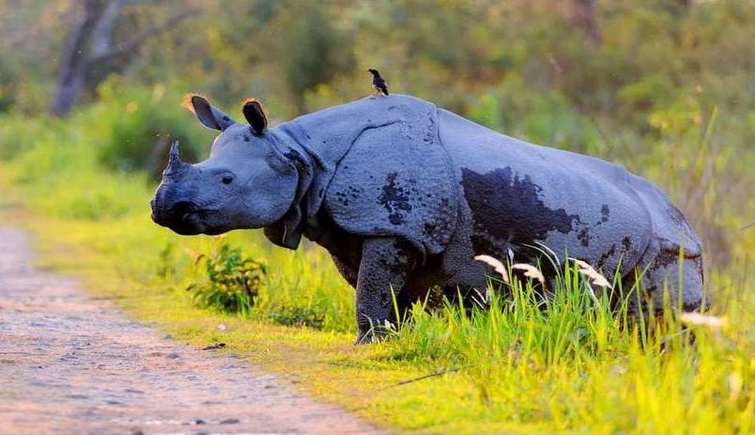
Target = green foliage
(28,56)
(311,317)
(316,51)
(488,112)
(143,124)
(166,265)
(231,280)
(532,116)
(56,160)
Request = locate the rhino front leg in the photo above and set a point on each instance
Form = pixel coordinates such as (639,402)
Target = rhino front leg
(385,265)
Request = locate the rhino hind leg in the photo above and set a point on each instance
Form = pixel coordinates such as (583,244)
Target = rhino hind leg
(675,278)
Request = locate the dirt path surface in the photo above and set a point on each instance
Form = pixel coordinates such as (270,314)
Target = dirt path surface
(71,364)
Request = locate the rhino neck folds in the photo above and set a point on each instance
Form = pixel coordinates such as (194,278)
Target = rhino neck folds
(285,231)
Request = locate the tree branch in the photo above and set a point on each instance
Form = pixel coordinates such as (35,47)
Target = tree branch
(102,35)
(430,375)
(127,47)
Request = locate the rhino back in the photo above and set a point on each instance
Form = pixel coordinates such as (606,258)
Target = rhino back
(520,194)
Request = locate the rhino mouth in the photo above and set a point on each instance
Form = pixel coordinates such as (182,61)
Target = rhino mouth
(187,220)
(195,222)
(188,224)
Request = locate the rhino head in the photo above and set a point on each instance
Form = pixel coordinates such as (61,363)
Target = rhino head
(245,183)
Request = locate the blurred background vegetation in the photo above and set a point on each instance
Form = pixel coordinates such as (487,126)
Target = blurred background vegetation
(665,87)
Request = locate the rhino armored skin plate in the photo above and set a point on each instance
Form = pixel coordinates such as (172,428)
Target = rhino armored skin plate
(403,195)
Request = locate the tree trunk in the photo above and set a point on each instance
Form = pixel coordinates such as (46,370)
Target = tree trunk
(90,55)
(584,14)
(74,58)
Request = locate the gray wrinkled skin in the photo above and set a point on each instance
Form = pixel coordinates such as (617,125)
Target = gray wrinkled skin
(403,195)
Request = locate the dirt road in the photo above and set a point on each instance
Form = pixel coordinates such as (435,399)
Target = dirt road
(70,364)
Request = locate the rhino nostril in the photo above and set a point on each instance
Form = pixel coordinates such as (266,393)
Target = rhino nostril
(180,208)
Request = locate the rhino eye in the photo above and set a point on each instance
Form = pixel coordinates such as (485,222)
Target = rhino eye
(227,179)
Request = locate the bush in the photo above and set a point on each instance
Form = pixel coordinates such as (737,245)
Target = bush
(142,126)
(544,119)
(231,281)
(19,134)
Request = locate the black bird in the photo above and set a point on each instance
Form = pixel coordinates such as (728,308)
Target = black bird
(378,83)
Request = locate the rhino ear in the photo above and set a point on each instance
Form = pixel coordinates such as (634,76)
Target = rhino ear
(255,115)
(208,115)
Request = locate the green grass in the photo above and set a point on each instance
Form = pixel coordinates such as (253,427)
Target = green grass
(572,365)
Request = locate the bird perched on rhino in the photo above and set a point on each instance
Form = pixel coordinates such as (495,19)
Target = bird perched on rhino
(378,82)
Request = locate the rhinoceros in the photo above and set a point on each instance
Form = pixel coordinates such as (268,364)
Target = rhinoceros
(404,195)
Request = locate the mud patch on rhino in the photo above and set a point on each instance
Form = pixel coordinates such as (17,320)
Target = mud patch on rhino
(510,207)
(605,257)
(584,237)
(395,199)
(626,242)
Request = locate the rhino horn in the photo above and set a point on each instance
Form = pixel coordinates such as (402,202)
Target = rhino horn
(175,165)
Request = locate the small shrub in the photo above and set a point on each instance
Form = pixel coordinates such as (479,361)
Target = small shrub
(231,283)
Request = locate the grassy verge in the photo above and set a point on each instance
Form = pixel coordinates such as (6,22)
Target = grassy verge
(570,366)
